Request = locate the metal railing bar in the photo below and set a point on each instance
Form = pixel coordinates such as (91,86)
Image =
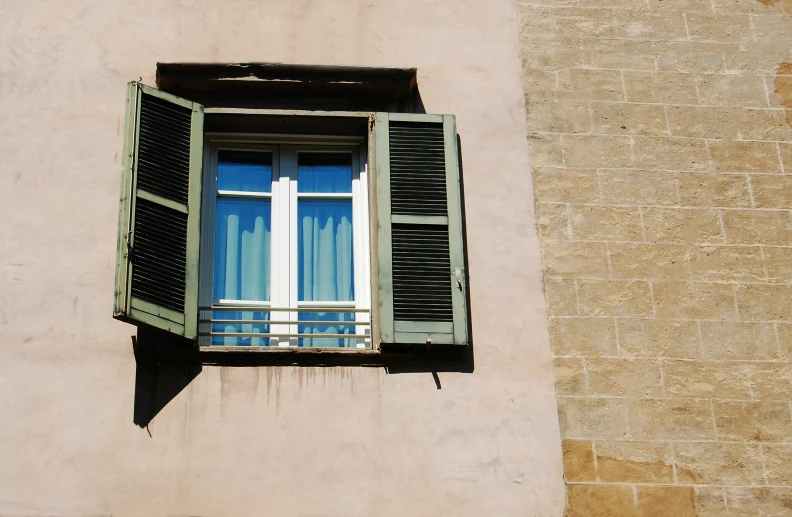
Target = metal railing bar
(291,322)
(270,334)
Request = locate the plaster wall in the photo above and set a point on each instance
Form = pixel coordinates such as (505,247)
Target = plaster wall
(263,440)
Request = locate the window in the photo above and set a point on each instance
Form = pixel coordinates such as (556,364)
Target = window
(260,241)
(288,228)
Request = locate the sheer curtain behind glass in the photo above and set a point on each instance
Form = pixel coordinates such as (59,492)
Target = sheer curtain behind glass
(243,230)
(325,261)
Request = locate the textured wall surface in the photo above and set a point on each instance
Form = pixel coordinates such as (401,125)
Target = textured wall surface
(258,441)
(662,159)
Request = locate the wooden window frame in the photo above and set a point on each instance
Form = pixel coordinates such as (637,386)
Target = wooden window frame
(284,196)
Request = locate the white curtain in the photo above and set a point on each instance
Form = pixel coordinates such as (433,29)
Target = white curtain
(242,260)
(325,263)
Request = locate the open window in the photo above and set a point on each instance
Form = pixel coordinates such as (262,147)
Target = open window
(258,240)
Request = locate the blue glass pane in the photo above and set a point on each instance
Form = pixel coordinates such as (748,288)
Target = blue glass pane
(244,171)
(229,328)
(337,323)
(324,250)
(242,249)
(324,172)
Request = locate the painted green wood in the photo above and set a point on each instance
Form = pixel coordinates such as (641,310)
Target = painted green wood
(424,326)
(194,223)
(384,252)
(420,332)
(455,237)
(419,219)
(132,309)
(425,338)
(157,310)
(154,198)
(414,117)
(125,201)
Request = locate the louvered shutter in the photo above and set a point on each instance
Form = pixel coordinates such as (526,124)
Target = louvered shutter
(421,286)
(159,220)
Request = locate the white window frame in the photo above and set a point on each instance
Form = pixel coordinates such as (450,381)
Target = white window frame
(284,242)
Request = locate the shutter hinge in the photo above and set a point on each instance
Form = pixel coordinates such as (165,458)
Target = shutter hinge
(128,239)
(371,122)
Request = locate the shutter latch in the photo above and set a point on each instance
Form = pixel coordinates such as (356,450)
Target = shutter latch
(459,277)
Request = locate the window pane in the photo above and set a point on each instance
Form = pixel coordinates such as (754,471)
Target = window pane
(324,172)
(242,249)
(324,244)
(337,323)
(247,328)
(245,171)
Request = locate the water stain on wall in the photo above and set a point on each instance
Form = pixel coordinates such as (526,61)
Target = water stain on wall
(787,4)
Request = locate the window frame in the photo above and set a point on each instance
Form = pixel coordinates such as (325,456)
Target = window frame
(284,198)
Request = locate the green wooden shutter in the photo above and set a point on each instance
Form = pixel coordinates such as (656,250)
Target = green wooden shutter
(421,287)
(159,220)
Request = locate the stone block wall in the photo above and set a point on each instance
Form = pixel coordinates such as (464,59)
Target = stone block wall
(662,164)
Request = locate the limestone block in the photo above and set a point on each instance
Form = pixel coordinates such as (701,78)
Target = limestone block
(606,223)
(559,117)
(710,501)
(715,190)
(575,259)
(624,377)
(569,376)
(639,187)
(764,124)
(557,185)
(679,501)
(742,89)
(592,84)
(706,380)
(597,151)
(677,154)
(552,220)
(703,121)
(777,464)
(772,191)
(600,501)
(734,156)
(666,25)
(670,419)
(626,118)
(721,463)
(692,300)
(659,338)
(649,261)
(614,298)
(727,263)
(634,462)
(759,302)
(720,27)
(578,456)
(751,502)
(758,227)
(688,225)
(660,87)
(754,421)
(726,340)
(585,337)
(561,297)
(591,418)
